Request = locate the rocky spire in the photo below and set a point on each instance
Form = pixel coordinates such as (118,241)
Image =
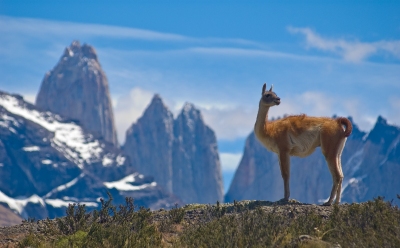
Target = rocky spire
(77,88)
(149,143)
(181,154)
(196,165)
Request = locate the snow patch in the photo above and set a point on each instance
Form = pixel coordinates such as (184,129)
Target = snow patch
(18,205)
(107,160)
(6,121)
(58,203)
(353,180)
(120,160)
(31,148)
(125,184)
(47,161)
(64,186)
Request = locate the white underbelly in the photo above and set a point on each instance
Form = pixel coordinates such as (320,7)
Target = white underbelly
(304,144)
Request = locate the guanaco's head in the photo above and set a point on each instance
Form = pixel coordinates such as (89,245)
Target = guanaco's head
(268,97)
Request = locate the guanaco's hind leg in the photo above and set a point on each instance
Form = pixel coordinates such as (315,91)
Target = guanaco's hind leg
(284,163)
(339,163)
(337,178)
(332,152)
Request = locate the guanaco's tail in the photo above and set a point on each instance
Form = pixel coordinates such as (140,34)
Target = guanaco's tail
(346,122)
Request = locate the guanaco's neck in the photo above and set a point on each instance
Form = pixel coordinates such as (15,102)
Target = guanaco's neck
(261,121)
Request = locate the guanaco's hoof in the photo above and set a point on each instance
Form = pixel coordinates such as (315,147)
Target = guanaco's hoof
(327,204)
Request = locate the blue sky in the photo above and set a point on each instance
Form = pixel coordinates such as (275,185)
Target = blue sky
(335,57)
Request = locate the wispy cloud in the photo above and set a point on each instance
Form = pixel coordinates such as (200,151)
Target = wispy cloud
(230,161)
(350,50)
(39,27)
(49,29)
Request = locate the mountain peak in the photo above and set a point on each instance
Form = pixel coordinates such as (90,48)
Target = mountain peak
(381,121)
(383,133)
(188,107)
(156,100)
(157,107)
(80,51)
(77,88)
(190,111)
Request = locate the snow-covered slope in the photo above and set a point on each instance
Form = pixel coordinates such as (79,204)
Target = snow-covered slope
(48,162)
(69,138)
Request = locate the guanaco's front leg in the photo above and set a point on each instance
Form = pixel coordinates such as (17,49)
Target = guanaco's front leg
(284,162)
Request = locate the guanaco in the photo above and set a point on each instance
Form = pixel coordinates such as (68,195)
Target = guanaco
(299,135)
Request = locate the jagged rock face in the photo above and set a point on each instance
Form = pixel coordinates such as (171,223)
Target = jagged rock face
(196,165)
(47,162)
(369,165)
(77,88)
(181,154)
(149,143)
(377,164)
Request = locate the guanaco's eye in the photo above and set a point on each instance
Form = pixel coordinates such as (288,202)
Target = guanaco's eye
(268,95)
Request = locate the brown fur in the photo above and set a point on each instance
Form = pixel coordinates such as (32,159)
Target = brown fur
(299,135)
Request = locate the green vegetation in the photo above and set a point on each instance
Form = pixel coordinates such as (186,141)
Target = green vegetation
(242,224)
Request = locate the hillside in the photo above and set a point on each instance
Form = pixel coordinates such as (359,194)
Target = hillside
(241,224)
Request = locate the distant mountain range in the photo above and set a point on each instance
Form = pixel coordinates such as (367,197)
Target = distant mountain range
(64,150)
(370,161)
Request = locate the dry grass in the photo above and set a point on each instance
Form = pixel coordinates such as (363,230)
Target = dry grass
(242,224)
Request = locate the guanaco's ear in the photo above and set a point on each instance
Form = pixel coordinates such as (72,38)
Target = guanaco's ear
(272,86)
(263,89)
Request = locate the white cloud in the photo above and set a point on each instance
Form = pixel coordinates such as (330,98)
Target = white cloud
(40,27)
(230,161)
(129,108)
(229,123)
(49,29)
(354,51)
